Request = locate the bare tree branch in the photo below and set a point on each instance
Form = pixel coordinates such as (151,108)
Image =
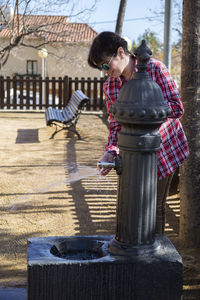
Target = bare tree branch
(158,16)
(20,28)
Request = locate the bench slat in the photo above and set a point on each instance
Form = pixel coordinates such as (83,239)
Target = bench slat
(66,116)
(73,108)
(70,112)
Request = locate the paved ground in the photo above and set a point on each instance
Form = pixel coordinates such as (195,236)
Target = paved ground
(13,293)
(50,188)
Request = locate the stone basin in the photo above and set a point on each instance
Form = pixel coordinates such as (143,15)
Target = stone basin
(81,267)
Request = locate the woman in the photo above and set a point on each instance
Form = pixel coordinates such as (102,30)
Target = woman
(109,54)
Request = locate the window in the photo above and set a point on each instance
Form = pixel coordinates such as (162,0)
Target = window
(31,67)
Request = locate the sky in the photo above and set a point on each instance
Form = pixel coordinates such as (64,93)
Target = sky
(136,17)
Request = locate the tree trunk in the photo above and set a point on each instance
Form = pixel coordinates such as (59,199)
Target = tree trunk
(120,16)
(190,91)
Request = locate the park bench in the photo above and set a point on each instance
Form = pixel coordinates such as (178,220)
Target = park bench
(67,117)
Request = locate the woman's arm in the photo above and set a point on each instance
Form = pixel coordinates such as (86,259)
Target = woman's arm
(111,90)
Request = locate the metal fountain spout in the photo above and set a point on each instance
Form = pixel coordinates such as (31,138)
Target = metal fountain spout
(116,165)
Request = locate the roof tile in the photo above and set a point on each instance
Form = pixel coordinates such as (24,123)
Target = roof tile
(52,28)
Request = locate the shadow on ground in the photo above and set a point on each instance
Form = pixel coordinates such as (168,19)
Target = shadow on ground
(93,201)
(39,197)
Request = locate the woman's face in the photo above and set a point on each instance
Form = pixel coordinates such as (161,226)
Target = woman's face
(117,64)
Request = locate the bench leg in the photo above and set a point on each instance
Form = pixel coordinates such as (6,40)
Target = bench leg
(56,131)
(72,128)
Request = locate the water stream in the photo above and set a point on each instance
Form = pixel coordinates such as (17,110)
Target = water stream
(78,172)
(74,172)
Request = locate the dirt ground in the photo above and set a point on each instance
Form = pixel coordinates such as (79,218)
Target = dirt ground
(51,188)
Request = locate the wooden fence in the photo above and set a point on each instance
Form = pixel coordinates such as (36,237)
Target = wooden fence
(25,93)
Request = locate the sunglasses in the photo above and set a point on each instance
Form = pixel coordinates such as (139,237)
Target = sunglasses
(106,66)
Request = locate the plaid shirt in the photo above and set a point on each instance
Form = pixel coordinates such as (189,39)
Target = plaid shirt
(174,148)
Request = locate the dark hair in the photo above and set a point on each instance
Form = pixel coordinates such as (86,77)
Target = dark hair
(105,44)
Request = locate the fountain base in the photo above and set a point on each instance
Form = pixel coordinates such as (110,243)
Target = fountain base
(73,268)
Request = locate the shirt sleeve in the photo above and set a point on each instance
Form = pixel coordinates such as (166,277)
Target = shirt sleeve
(111,90)
(170,91)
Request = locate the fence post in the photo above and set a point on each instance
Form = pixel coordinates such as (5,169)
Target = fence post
(53,91)
(14,92)
(27,92)
(88,106)
(46,80)
(66,90)
(8,91)
(70,88)
(2,91)
(21,86)
(76,84)
(41,100)
(34,93)
(83,84)
(60,81)
(95,94)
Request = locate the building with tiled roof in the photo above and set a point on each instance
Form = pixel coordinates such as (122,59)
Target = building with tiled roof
(67,45)
(53,28)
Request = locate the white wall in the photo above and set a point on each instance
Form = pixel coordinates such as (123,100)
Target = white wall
(62,60)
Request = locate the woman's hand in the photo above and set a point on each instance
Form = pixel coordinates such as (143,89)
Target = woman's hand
(106,157)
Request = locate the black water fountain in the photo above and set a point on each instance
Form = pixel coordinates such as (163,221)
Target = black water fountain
(136,263)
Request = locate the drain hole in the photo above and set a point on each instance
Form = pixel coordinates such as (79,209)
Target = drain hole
(65,251)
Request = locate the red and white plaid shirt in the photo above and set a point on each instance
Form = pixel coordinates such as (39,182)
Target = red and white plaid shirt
(174,147)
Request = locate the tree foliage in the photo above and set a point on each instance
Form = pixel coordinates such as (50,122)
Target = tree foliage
(152,42)
(156,47)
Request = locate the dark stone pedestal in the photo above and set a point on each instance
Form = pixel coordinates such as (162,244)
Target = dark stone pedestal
(79,268)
